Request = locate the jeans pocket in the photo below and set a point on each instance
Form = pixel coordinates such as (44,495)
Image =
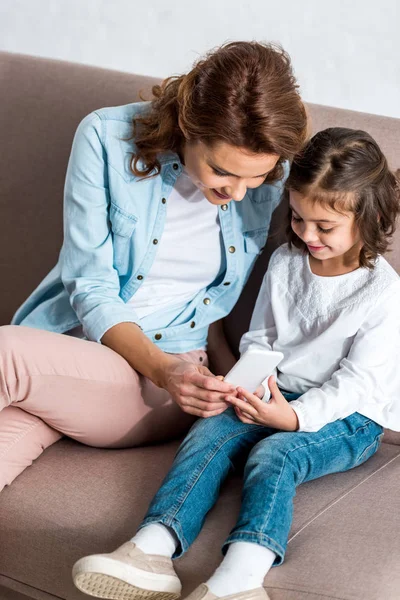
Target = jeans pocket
(370,449)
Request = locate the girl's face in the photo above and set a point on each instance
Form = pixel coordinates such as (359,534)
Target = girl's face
(328,234)
(224,172)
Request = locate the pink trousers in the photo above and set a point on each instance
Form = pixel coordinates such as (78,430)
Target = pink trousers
(53,385)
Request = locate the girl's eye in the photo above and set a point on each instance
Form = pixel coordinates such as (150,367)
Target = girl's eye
(296,219)
(324,230)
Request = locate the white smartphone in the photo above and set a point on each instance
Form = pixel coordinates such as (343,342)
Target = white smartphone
(253,367)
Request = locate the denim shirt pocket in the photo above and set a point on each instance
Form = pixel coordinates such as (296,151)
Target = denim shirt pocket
(123,225)
(254,241)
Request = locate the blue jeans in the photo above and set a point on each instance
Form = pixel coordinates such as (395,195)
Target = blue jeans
(277,462)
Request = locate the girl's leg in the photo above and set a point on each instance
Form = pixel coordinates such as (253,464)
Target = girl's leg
(278,464)
(78,388)
(275,467)
(203,461)
(176,514)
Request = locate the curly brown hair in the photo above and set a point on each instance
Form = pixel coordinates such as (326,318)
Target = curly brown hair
(243,93)
(346,170)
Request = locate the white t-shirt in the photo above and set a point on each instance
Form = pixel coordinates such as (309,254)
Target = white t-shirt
(189,253)
(340,337)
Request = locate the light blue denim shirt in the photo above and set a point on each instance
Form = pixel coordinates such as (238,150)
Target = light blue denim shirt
(113,221)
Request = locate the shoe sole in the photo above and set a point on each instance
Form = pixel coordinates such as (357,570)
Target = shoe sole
(109,579)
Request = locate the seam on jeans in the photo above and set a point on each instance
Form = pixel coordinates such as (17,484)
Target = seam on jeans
(174,524)
(201,468)
(332,437)
(272,544)
(20,436)
(376,442)
(341,497)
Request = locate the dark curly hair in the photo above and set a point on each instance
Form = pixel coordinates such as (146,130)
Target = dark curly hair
(243,93)
(346,170)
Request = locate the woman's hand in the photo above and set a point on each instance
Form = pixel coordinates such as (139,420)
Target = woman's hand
(277,413)
(195,389)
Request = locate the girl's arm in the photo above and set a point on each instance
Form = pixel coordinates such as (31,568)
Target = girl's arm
(368,376)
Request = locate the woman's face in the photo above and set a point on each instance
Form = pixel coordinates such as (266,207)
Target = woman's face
(224,172)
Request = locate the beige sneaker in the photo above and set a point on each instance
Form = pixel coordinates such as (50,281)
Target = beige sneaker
(203,593)
(128,574)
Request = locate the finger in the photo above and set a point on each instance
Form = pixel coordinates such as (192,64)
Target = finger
(204,406)
(244,419)
(209,382)
(260,392)
(242,405)
(273,386)
(192,410)
(251,398)
(200,393)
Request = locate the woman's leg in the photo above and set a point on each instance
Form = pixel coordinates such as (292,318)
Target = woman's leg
(78,388)
(23,437)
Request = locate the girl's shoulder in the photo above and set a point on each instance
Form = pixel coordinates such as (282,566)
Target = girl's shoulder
(283,257)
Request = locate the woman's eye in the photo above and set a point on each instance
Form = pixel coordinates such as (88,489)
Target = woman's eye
(322,230)
(296,219)
(219,173)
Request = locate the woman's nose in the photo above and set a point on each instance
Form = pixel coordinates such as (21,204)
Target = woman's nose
(237,191)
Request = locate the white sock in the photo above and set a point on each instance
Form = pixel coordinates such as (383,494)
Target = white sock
(244,567)
(156,539)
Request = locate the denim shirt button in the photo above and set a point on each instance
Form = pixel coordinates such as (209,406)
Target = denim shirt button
(140,277)
(206,301)
(224,207)
(155,242)
(192,324)
(232,249)
(175,166)
(158,336)
(163,200)
(227,283)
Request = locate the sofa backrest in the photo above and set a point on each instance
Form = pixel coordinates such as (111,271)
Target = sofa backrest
(42,102)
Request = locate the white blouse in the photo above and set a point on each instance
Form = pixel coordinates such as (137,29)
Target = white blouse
(340,337)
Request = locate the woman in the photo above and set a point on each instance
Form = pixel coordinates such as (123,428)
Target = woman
(163,224)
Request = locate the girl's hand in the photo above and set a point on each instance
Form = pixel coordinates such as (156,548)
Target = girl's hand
(195,389)
(277,413)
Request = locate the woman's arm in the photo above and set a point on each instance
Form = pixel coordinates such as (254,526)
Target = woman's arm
(193,387)
(219,352)
(92,282)
(86,258)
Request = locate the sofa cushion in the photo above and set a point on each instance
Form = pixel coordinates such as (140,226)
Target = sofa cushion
(77,500)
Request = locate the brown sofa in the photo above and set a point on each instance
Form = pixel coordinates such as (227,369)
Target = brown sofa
(75,500)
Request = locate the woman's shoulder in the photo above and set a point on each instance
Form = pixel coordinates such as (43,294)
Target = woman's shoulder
(125,113)
(114,120)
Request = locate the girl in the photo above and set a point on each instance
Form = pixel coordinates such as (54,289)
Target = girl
(330,302)
(162,212)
